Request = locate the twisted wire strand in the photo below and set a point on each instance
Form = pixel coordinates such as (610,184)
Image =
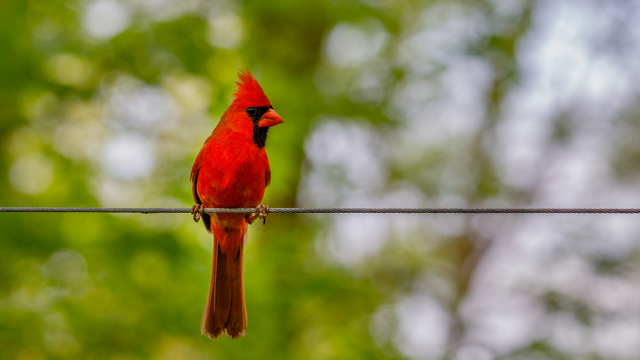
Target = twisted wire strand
(333,210)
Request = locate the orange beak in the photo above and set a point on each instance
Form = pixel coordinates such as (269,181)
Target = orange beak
(270,118)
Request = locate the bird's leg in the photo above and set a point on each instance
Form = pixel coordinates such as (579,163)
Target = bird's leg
(197,211)
(261,212)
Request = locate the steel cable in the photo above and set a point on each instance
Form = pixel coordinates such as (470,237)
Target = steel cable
(333,210)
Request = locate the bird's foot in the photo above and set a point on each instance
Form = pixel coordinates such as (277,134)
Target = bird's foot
(261,212)
(197,211)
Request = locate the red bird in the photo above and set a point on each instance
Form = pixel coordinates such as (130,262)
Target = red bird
(232,171)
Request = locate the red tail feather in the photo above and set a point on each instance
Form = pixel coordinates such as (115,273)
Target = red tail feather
(226,310)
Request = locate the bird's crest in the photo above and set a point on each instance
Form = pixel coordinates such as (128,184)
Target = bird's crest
(249,92)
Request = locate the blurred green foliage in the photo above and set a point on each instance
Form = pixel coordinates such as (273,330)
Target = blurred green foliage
(105,287)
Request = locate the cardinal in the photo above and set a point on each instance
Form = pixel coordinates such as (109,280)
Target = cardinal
(232,171)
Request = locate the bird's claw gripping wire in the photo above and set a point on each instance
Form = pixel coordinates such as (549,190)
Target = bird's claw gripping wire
(197,211)
(261,212)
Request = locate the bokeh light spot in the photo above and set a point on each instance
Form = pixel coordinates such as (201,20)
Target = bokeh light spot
(104,19)
(31,174)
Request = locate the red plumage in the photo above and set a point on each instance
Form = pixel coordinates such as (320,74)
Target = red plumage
(249,92)
(232,171)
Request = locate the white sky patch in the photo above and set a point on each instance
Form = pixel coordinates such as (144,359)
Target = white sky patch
(423,327)
(104,19)
(614,294)
(508,7)
(618,338)
(346,169)
(560,59)
(620,231)
(568,334)
(440,35)
(129,157)
(353,44)
(352,237)
(473,352)
(509,324)
(345,161)
(370,86)
(142,107)
(117,193)
(436,114)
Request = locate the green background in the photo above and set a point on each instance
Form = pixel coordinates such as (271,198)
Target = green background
(374,76)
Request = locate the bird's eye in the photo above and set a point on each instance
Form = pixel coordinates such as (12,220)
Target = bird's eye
(252,111)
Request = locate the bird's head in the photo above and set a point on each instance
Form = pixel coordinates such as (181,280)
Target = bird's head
(249,98)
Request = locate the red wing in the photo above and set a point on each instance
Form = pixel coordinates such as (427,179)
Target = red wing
(267,178)
(195,171)
(194,178)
